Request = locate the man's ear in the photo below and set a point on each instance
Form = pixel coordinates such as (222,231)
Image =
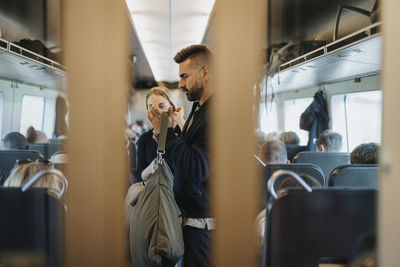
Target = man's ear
(205,73)
(321,148)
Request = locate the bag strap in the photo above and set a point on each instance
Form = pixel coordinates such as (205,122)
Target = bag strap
(162,137)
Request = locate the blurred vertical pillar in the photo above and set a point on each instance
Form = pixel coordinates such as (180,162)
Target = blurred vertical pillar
(240,37)
(96,56)
(389,196)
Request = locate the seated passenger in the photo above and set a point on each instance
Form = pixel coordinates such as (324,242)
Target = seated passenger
(274,152)
(329,141)
(15,140)
(36,137)
(260,139)
(271,136)
(289,138)
(26,169)
(365,154)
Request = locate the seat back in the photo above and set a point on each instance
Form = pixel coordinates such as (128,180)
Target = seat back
(9,157)
(31,225)
(327,161)
(293,150)
(303,228)
(46,149)
(299,168)
(355,175)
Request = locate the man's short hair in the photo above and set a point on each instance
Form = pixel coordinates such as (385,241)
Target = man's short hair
(273,152)
(365,154)
(332,141)
(199,54)
(15,140)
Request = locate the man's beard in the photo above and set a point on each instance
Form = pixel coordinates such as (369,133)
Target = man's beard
(195,93)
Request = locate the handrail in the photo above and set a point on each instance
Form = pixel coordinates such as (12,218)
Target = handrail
(278,174)
(40,174)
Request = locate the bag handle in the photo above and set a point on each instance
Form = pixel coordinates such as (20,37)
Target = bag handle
(162,137)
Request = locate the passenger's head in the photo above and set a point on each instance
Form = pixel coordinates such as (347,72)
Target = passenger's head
(274,152)
(36,137)
(271,136)
(289,138)
(15,140)
(329,141)
(365,154)
(160,98)
(290,182)
(260,138)
(24,172)
(194,70)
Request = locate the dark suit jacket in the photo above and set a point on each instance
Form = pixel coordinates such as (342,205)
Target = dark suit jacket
(188,158)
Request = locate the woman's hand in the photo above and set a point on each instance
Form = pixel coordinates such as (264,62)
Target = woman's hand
(154,116)
(146,173)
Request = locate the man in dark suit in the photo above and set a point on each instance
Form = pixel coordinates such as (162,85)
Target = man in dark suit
(188,155)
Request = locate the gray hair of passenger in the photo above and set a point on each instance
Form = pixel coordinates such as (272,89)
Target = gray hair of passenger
(332,141)
(289,138)
(271,136)
(273,152)
(15,140)
(365,154)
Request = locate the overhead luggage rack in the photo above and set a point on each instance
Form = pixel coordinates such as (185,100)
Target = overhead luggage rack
(358,54)
(25,66)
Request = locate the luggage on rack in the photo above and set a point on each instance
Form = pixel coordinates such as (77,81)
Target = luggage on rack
(35,46)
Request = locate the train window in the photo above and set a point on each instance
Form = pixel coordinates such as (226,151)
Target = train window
(268,118)
(31,113)
(349,117)
(293,109)
(49,119)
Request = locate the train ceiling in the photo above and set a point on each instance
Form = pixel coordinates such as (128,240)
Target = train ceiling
(165,27)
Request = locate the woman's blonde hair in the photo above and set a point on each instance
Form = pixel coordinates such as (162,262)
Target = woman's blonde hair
(23,173)
(161,91)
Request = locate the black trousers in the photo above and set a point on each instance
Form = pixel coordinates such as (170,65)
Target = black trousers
(197,247)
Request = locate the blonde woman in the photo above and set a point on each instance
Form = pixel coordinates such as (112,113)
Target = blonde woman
(26,169)
(157,98)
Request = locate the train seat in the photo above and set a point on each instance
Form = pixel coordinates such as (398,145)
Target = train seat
(355,175)
(31,226)
(305,229)
(293,150)
(46,149)
(327,161)
(299,168)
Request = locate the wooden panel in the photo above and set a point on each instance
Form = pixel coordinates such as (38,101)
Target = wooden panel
(97,80)
(389,197)
(238,43)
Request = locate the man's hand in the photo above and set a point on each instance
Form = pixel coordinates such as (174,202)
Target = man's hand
(178,117)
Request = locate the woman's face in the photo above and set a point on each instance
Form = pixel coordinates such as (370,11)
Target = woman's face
(158,102)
